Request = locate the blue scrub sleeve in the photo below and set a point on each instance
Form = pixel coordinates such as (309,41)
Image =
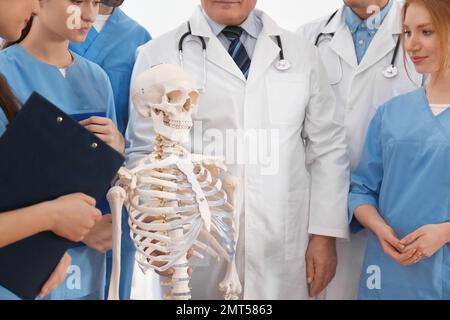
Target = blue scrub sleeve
(367,177)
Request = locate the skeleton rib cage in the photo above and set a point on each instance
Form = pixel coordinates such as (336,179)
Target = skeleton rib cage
(165,191)
(165,216)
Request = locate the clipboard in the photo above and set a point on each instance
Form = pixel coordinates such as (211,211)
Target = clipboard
(46,154)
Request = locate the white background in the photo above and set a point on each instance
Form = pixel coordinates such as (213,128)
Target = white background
(159,16)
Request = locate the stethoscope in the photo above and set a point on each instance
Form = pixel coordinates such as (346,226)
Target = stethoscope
(281,65)
(390,71)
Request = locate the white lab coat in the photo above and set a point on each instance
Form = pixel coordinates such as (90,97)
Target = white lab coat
(359,90)
(306,194)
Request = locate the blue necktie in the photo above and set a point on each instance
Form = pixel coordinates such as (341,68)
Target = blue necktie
(237,50)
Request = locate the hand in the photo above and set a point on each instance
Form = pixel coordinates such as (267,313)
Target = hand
(57,277)
(100,237)
(105,130)
(321,262)
(393,247)
(427,240)
(75,216)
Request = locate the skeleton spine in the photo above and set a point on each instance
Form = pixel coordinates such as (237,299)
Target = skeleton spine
(180,279)
(179,283)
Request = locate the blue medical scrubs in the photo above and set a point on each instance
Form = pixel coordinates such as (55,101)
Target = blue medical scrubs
(404,172)
(114,49)
(85,89)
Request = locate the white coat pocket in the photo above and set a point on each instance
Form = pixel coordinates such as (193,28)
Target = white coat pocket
(286,95)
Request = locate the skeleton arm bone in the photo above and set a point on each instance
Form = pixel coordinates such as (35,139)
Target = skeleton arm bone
(231,285)
(116,197)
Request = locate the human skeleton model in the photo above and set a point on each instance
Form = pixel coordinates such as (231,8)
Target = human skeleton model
(173,196)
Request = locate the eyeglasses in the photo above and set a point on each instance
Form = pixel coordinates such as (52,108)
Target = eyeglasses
(112,3)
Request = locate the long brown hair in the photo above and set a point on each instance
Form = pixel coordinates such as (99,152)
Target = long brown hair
(440,15)
(8,101)
(24,34)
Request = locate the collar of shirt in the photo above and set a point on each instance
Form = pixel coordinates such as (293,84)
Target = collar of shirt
(354,22)
(252,26)
(101,21)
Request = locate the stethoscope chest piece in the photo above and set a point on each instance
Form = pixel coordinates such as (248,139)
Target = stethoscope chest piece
(282,65)
(390,72)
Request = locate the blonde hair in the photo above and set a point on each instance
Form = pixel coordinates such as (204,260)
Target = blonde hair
(440,15)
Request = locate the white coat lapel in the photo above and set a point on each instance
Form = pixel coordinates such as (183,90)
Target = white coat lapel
(217,55)
(215,51)
(342,42)
(266,50)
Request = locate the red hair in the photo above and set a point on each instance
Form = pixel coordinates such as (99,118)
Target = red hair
(440,15)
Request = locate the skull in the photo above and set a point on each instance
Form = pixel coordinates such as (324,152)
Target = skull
(169,95)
